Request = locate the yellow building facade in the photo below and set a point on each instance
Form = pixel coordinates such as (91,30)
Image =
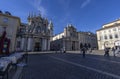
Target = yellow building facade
(11,23)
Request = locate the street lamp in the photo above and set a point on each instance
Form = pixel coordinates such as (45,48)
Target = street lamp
(26,53)
(63,44)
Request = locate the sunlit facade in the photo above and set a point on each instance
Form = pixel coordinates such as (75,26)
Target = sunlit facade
(11,24)
(36,35)
(67,40)
(88,38)
(109,35)
(71,39)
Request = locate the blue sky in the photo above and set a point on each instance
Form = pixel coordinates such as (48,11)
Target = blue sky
(85,15)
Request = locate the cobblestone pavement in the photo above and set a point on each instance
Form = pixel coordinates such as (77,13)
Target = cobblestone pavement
(71,66)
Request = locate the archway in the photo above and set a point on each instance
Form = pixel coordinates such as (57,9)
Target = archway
(37,46)
(106,44)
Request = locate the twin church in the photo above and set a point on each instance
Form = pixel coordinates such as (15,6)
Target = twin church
(37,34)
(33,36)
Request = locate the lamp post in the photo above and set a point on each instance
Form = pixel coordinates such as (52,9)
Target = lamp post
(64,51)
(26,53)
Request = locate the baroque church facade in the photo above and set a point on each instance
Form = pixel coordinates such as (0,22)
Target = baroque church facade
(70,39)
(36,35)
(67,40)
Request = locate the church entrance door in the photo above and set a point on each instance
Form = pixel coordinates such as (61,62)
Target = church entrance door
(37,46)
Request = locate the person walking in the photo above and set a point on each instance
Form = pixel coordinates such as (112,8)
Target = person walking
(83,51)
(90,50)
(106,52)
(64,51)
(113,50)
(117,51)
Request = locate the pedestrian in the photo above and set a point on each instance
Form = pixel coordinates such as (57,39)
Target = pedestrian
(113,50)
(117,50)
(106,52)
(64,50)
(90,50)
(83,51)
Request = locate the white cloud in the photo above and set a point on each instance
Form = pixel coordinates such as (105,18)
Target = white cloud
(37,4)
(85,3)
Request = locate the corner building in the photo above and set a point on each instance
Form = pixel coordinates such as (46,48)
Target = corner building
(10,24)
(109,35)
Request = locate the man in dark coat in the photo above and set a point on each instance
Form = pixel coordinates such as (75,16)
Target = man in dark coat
(83,51)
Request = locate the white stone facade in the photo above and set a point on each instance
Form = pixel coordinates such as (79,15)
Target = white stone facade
(37,34)
(109,35)
(70,39)
(87,38)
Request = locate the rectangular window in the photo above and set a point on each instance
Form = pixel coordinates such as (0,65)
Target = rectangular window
(105,37)
(114,29)
(116,35)
(100,37)
(110,36)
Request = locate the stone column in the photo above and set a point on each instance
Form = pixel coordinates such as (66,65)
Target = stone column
(70,45)
(48,43)
(18,44)
(33,44)
(45,48)
(42,44)
(29,47)
(23,44)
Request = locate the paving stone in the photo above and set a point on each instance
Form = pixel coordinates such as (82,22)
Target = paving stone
(43,66)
